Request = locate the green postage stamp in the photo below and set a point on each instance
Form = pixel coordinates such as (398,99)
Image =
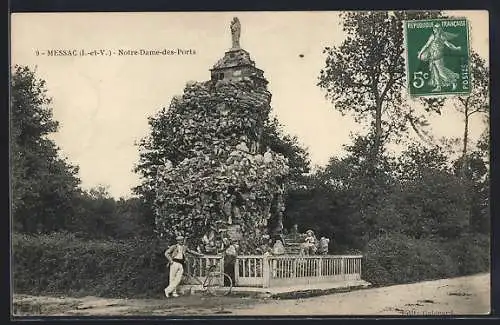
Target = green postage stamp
(437,57)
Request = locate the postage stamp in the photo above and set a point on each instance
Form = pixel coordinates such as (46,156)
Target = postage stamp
(437,57)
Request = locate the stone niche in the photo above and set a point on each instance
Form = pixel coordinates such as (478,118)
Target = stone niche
(235,66)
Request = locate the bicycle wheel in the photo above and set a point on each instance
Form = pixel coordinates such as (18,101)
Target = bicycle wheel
(218,284)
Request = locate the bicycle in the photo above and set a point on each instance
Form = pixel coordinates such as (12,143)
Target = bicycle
(216,283)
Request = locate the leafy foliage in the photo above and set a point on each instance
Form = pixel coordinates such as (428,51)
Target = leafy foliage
(407,218)
(192,198)
(43,184)
(365,74)
(274,137)
(417,216)
(62,263)
(434,206)
(397,258)
(431,201)
(475,103)
(207,154)
(474,175)
(341,199)
(418,159)
(403,211)
(471,252)
(100,216)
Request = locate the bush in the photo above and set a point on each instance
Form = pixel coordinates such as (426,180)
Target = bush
(61,263)
(471,253)
(397,258)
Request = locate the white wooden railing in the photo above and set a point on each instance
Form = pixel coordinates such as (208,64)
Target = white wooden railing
(250,270)
(283,270)
(289,270)
(198,266)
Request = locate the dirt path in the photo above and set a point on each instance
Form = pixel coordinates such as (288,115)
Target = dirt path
(465,295)
(25,305)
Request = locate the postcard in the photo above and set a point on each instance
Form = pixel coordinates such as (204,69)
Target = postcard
(250,163)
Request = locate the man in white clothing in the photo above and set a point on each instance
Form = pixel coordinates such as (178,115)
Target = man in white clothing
(175,254)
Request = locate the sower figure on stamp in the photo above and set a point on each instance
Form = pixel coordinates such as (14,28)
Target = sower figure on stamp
(175,255)
(433,51)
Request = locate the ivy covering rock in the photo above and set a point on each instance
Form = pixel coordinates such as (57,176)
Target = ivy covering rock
(217,173)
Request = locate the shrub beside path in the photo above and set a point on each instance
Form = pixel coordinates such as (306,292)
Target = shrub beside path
(456,296)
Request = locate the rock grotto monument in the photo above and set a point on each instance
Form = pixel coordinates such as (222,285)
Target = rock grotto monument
(218,174)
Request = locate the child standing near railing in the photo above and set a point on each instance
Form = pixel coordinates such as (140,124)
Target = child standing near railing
(310,243)
(323,245)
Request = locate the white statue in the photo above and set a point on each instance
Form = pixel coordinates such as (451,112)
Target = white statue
(268,156)
(242,146)
(168,164)
(236,32)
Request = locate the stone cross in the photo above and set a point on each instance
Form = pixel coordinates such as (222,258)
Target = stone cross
(235,32)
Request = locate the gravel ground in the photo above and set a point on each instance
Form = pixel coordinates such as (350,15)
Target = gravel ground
(458,296)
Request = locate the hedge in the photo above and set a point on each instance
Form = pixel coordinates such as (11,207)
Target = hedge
(62,264)
(397,259)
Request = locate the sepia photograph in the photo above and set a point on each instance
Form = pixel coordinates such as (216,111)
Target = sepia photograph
(258,163)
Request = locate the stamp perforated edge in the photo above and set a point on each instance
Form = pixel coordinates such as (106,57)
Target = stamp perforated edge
(407,69)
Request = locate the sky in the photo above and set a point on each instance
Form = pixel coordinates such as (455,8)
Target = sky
(102,102)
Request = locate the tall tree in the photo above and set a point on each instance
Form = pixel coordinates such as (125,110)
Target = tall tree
(431,200)
(477,102)
(417,160)
(96,213)
(43,184)
(345,196)
(481,201)
(365,74)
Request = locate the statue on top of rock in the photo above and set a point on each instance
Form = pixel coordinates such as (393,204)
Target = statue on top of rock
(236,32)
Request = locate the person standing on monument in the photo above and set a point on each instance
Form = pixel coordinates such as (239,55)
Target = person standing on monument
(175,255)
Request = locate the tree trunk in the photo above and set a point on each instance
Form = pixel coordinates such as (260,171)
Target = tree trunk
(378,133)
(463,168)
(466,139)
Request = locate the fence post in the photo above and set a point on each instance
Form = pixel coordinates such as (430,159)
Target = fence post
(360,263)
(266,272)
(320,266)
(221,266)
(342,267)
(236,272)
